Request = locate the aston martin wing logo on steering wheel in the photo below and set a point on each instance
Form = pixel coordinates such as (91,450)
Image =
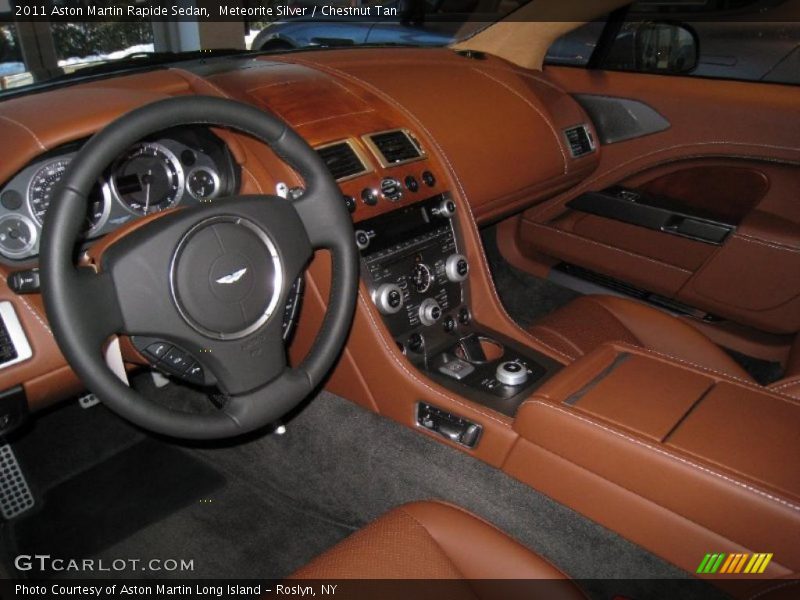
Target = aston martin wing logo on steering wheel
(233,277)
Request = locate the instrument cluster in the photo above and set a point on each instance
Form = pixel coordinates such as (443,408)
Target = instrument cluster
(178,168)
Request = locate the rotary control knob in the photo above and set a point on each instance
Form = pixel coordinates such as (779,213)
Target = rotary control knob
(388,298)
(447,208)
(429,311)
(362,239)
(456,267)
(511,373)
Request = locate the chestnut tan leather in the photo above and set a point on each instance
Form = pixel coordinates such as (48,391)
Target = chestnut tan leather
(504,160)
(45,376)
(589,321)
(661,471)
(731,157)
(431,540)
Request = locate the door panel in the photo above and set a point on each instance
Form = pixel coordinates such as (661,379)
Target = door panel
(731,154)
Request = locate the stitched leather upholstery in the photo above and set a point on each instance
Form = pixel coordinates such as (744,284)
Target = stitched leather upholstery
(433,540)
(589,321)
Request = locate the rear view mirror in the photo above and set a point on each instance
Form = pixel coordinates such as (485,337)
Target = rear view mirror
(665,48)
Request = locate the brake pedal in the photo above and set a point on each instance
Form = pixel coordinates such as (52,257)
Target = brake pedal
(88,400)
(15,495)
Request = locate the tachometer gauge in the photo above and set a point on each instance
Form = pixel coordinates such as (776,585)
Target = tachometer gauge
(148,179)
(17,235)
(42,185)
(203,184)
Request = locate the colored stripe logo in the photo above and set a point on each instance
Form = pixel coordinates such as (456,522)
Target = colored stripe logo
(732,564)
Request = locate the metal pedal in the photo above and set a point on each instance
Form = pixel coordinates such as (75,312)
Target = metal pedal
(15,495)
(88,400)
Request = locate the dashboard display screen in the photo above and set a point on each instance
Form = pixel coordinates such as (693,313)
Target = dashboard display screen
(403,224)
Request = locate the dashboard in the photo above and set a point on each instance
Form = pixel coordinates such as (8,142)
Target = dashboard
(182,167)
(391,149)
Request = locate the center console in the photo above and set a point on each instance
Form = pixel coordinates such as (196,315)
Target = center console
(675,458)
(417,275)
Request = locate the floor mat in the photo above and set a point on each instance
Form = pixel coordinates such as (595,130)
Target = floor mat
(113,499)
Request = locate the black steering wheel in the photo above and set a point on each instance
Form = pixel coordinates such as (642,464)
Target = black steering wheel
(212,280)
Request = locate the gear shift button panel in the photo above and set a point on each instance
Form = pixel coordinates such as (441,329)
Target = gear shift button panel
(456,368)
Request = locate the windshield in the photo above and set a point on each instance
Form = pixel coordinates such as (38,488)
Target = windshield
(58,40)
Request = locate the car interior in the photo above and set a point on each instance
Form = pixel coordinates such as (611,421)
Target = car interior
(406,313)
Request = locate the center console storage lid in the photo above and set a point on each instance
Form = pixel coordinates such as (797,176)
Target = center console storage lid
(714,451)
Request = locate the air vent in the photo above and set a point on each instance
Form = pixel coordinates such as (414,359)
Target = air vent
(395,147)
(580,140)
(342,160)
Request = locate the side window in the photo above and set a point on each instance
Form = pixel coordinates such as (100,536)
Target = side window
(12,67)
(729,39)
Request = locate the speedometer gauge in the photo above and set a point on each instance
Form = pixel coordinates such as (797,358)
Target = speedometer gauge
(42,185)
(148,179)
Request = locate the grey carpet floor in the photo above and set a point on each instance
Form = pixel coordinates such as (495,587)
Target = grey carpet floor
(287,498)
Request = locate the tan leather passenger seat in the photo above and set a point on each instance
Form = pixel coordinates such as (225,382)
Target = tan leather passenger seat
(432,540)
(590,321)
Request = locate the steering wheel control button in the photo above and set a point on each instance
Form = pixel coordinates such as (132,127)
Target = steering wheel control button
(158,349)
(429,312)
(429,179)
(457,267)
(457,369)
(369,196)
(226,277)
(194,373)
(176,360)
(388,298)
(512,373)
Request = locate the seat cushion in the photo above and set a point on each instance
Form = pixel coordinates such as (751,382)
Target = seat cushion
(590,321)
(431,540)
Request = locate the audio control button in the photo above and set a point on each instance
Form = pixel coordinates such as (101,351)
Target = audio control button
(369,196)
(362,239)
(416,343)
(457,267)
(388,298)
(447,208)
(429,312)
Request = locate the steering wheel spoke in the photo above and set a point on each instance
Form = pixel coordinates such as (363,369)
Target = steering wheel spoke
(316,209)
(97,305)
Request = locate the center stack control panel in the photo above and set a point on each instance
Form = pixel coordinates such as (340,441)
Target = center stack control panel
(417,273)
(414,270)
